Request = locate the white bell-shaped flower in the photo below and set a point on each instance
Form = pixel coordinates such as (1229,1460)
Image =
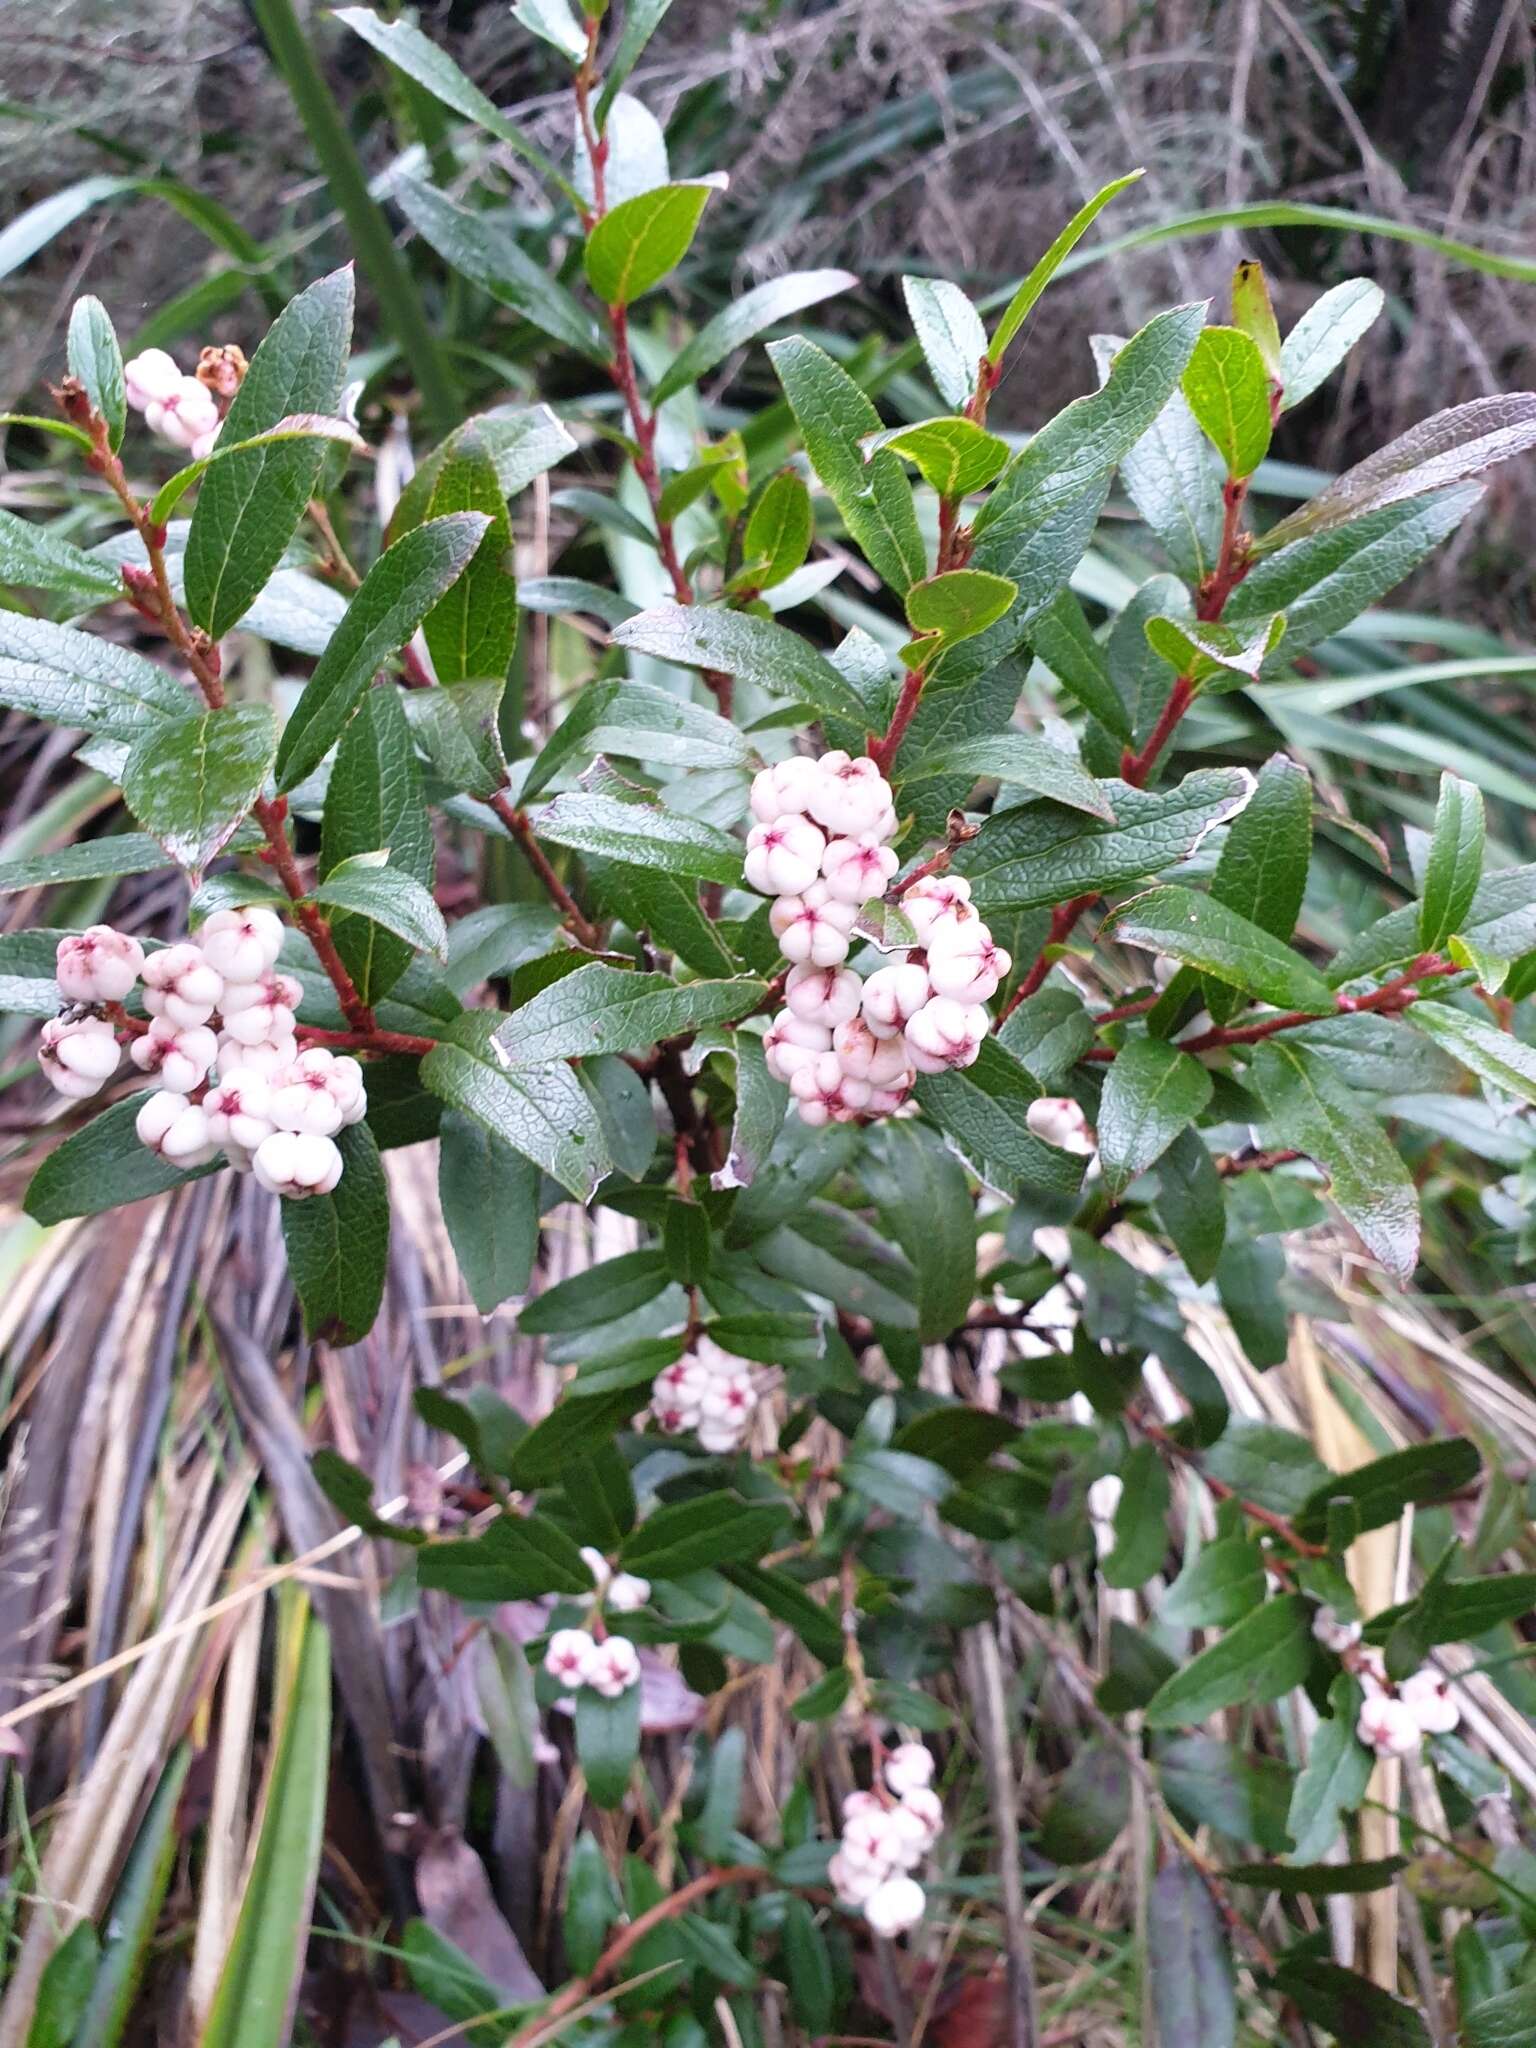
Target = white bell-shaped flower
(99,965)
(175,1128)
(242,944)
(297,1164)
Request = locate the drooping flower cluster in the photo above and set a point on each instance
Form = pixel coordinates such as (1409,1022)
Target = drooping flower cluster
(180,409)
(609,1664)
(708,1392)
(886,1835)
(1394,1719)
(219,1012)
(849,1048)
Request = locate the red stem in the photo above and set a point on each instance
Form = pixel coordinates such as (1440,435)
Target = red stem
(367,1041)
(1063,918)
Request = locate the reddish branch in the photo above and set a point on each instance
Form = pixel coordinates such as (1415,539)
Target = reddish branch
(1277,1524)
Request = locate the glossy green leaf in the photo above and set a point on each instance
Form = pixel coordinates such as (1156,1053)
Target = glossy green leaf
(396,594)
(472,629)
(1455,864)
(950,334)
(639,241)
(639,721)
(1227,387)
(1065,642)
(97,361)
(249,506)
(1023,301)
(1193,1993)
(738,644)
(607,1742)
(1173,479)
(1349,2006)
(101,1167)
(807,1967)
(1262,871)
(541,1112)
(743,319)
(640,22)
(1151,1093)
(1310,1109)
(642,833)
(554,23)
(923,1197)
(955,606)
(779,530)
(1495,1056)
(611,1009)
(32,558)
(707,1532)
(1224,657)
(374,799)
(1206,934)
(519,1557)
(1332,1782)
(1191,1204)
(389,897)
(338,1244)
(1141,1520)
(1263,1656)
(191,783)
(1506,2020)
(953,455)
(1324,336)
(119,853)
(74,678)
(1379,1492)
(1248,1276)
(1216,1588)
(1253,312)
(984,1110)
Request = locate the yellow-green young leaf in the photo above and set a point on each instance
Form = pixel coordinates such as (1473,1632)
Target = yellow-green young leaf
(541,1112)
(1190,1961)
(1228,392)
(1268,1652)
(1311,1109)
(643,239)
(745,318)
(95,358)
(249,505)
(953,455)
(738,644)
(956,606)
(394,597)
(338,1244)
(612,1009)
(191,783)
(778,535)
(1455,864)
(1022,303)
(1206,934)
(1151,1092)
(1495,1056)
(1228,657)
(1324,336)
(1173,479)
(1492,969)
(949,333)
(1254,313)
(721,468)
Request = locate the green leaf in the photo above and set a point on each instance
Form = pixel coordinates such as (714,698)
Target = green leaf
(613,1009)
(483,248)
(1193,1994)
(607,1742)
(1227,387)
(1206,934)
(1248,1277)
(1310,1109)
(743,319)
(667,908)
(1022,303)
(120,853)
(338,1244)
(541,1112)
(779,531)
(738,644)
(396,594)
(635,245)
(949,333)
(300,426)
(1217,1588)
(1268,1652)
(73,678)
(490,1203)
(1324,336)
(1455,864)
(923,1197)
(1262,871)
(1151,1093)
(1041,854)
(1090,1807)
(592,1903)
(191,783)
(472,629)
(1348,2006)
(32,558)
(519,1557)
(984,1109)
(1378,1492)
(807,1968)
(1229,657)
(955,606)
(458,731)
(97,361)
(389,897)
(554,23)
(1141,1520)
(706,1533)
(953,456)
(1253,311)
(1191,1205)
(1317,1880)
(759,1113)
(1450,447)
(374,799)
(350,1492)
(1333,1780)
(874,498)
(602,1294)
(641,720)
(249,506)
(641,20)
(1495,1056)
(1223,1786)
(1173,480)
(642,833)
(1065,642)
(1507,2020)
(64,1988)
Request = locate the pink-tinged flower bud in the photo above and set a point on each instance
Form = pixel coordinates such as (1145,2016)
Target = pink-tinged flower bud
(316,1093)
(853,1882)
(786,786)
(181,1054)
(180,985)
(857,870)
(613,1667)
(260,1023)
(98,966)
(909,1835)
(935,901)
(684,1381)
(237,1109)
(205,443)
(151,378)
(852,797)
(1389,1727)
(626,1592)
(1370,1667)
(297,1164)
(909,1768)
(597,1565)
(784,855)
(242,945)
(269,1057)
(189,412)
(789,1044)
(887,1101)
(1428,1697)
(718,1438)
(879,1061)
(893,995)
(945,1034)
(175,1128)
(674,1417)
(1333,1633)
(809,933)
(567,1656)
(729,1398)
(895,1907)
(826,1094)
(79,1055)
(964,962)
(1059,1120)
(823,995)
(925,1806)
(861,1802)
(872,1839)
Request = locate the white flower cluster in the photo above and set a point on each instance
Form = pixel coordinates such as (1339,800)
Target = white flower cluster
(849,1048)
(180,409)
(885,1837)
(608,1664)
(708,1392)
(1393,1720)
(217,1007)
